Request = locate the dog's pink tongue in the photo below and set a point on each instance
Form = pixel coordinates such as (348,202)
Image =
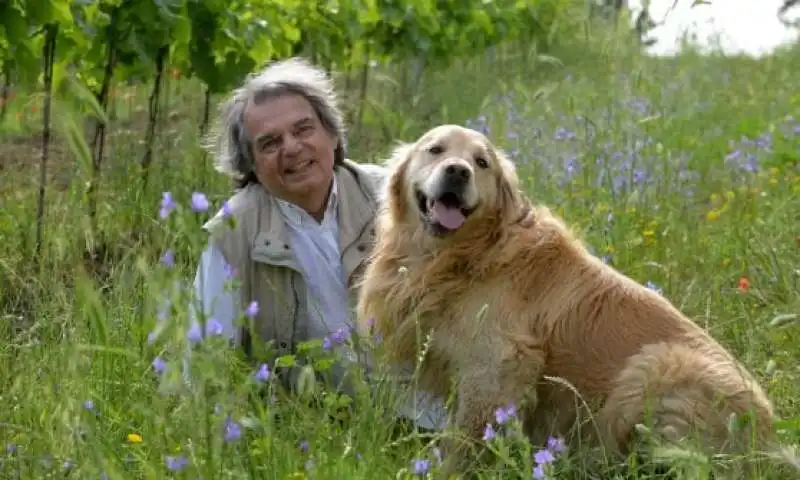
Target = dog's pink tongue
(448,217)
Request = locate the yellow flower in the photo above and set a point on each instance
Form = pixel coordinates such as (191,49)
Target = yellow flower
(712,215)
(648,233)
(297,476)
(134,438)
(730,195)
(611,249)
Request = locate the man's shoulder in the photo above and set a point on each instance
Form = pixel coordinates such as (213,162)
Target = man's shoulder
(374,174)
(238,206)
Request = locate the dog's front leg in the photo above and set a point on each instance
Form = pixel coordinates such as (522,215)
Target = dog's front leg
(481,394)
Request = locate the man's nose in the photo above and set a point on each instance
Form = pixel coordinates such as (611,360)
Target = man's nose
(291,145)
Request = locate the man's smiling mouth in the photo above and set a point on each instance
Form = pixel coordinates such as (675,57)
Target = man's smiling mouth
(298,167)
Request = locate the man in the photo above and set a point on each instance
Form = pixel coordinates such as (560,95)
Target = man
(302,216)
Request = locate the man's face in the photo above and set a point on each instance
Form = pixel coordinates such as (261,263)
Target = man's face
(292,151)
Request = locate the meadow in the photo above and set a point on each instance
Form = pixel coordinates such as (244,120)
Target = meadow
(682,173)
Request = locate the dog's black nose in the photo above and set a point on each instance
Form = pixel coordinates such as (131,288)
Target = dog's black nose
(459,172)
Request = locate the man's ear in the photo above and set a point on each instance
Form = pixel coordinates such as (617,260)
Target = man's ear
(395,191)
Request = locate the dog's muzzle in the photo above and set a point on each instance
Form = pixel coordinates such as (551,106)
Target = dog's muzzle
(444,208)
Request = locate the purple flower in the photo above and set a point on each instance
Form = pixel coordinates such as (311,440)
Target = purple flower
(213,327)
(233,431)
(543,457)
(167,205)
(504,414)
(420,466)
(199,202)
(304,446)
(88,405)
(555,444)
(168,258)
(11,448)
(262,375)
(252,309)
(228,271)
(538,472)
(226,209)
(194,335)
(488,432)
(338,337)
(652,286)
(176,463)
(159,365)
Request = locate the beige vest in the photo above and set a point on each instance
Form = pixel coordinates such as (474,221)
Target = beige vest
(256,244)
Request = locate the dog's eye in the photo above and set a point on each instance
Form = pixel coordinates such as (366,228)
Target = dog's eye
(436,150)
(481,162)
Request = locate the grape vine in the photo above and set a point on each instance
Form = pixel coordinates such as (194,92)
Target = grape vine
(95,44)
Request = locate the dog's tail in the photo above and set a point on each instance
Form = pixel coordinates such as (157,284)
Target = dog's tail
(690,392)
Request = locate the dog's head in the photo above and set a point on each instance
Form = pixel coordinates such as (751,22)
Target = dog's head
(449,178)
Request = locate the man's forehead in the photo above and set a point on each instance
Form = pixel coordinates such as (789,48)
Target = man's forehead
(272,118)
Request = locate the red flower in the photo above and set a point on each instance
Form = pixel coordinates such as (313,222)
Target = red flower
(744,284)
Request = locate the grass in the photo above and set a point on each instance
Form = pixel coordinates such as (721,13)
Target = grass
(680,172)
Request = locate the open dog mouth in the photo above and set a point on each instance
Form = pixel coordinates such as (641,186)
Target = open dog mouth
(443,214)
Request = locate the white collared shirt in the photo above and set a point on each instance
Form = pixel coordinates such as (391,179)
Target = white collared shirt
(317,251)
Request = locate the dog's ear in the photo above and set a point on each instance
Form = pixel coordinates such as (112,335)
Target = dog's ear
(509,197)
(395,192)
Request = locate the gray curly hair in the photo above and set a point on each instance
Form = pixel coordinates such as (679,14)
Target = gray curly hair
(230,142)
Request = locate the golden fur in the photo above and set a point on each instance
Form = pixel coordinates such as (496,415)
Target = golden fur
(512,296)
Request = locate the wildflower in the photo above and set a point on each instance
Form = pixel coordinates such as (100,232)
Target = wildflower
(67,465)
(194,335)
(134,438)
(199,202)
(176,463)
(543,457)
(159,365)
(213,327)
(233,431)
(336,338)
(652,286)
(504,414)
(340,336)
(252,309)
(167,205)
(262,375)
(712,215)
(11,448)
(744,284)
(488,432)
(168,258)
(538,472)
(555,444)
(226,209)
(304,446)
(228,271)
(88,405)
(420,466)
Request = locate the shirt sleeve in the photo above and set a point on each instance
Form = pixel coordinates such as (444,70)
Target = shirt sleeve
(218,302)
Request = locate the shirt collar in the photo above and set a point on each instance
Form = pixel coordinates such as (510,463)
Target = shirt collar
(297,216)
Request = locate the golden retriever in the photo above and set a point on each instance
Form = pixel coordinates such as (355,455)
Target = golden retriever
(510,296)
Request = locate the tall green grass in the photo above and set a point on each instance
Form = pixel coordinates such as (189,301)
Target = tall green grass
(682,173)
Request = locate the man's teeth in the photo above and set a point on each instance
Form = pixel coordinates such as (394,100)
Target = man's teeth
(297,168)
